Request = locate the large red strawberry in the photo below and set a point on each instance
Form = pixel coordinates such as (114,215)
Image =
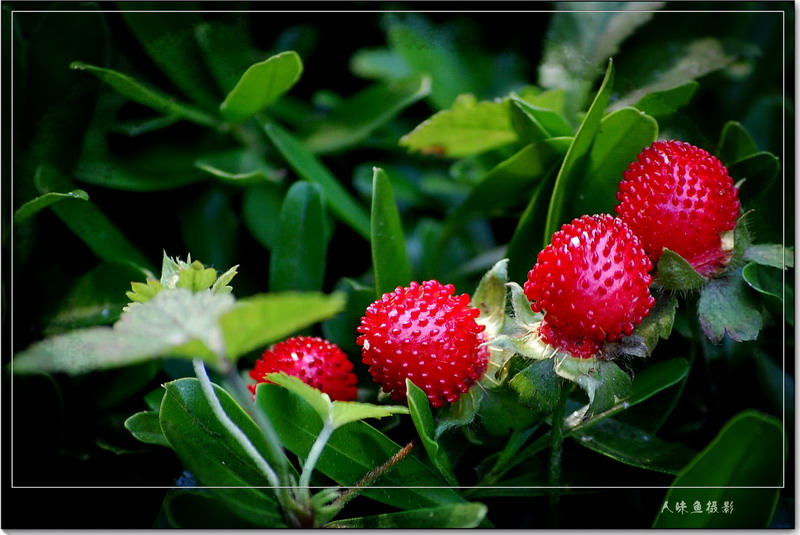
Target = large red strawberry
(424,333)
(316,361)
(680,197)
(592,282)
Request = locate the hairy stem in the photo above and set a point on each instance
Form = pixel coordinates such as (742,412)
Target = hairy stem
(316,451)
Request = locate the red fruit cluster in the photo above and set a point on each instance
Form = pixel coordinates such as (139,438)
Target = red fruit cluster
(317,362)
(592,282)
(424,333)
(679,197)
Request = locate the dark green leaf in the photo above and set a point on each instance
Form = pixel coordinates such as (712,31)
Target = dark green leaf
(577,154)
(30,208)
(357,117)
(460,413)
(747,453)
(201,509)
(538,386)
(300,252)
(209,226)
(773,255)
(622,135)
(458,516)
(307,166)
(261,206)
(238,166)
(130,88)
(340,328)
(735,143)
(500,413)
(227,50)
(379,64)
(673,272)
(389,256)
(764,280)
(420,410)
(658,323)
(605,383)
(469,127)
(89,223)
(262,319)
(261,85)
(630,445)
(213,455)
(542,123)
(146,428)
(728,306)
(665,103)
(759,169)
(527,240)
(352,451)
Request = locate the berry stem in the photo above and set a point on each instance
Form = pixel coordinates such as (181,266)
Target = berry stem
(556,446)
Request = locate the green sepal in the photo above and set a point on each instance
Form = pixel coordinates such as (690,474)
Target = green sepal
(142,292)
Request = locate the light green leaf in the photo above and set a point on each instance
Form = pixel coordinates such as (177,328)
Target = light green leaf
(748,453)
(421,415)
(261,85)
(630,445)
(764,280)
(458,516)
(772,254)
(307,166)
(728,306)
(665,103)
(469,127)
(320,402)
(196,277)
(490,298)
(130,88)
(379,64)
(622,135)
(221,284)
(30,208)
(259,320)
(389,255)
(300,253)
(145,427)
(175,322)
(357,117)
(238,166)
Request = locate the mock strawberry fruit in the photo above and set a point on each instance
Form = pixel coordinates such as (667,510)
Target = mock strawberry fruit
(316,361)
(680,197)
(424,333)
(592,282)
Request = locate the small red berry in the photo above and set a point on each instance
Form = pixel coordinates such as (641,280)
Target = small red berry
(592,282)
(680,197)
(426,334)
(317,362)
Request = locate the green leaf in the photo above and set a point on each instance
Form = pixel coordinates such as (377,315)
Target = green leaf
(664,103)
(469,127)
(537,122)
(30,208)
(622,135)
(735,143)
(728,306)
(500,413)
(176,322)
(262,319)
(261,85)
(227,50)
(420,410)
(460,413)
(759,169)
(747,453)
(238,166)
(509,182)
(196,277)
(356,118)
(527,239)
(89,223)
(577,154)
(458,516)
(772,254)
(307,166)
(352,451)
(764,280)
(130,88)
(658,323)
(490,298)
(630,445)
(578,44)
(261,207)
(673,272)
(208,450)
(389,256)
(199,509)
(604,382)
(300,252)
(142,292)
(145,427)
(538,386)
(379,64)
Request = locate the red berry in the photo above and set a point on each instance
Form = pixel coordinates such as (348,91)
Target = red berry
(426,334)
(678,196)
(317,362)
(592,282)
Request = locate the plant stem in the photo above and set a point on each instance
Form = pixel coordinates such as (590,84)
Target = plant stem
(556,446)
(316,451)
